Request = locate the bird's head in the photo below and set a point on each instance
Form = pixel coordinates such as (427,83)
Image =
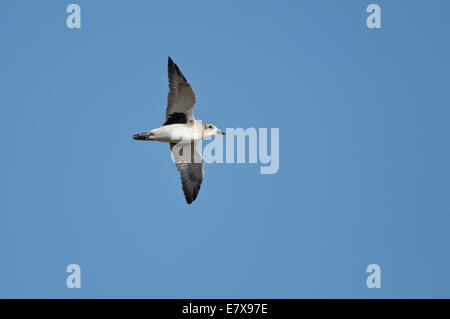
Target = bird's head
(210,130)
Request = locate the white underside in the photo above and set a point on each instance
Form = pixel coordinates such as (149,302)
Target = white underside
(175,133)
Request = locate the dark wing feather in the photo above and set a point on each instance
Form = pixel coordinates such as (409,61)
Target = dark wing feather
(181,98)
(189,163)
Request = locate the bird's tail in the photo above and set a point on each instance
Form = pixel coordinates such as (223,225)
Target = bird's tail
(145,136)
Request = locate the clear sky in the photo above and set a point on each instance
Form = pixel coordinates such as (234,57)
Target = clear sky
(363,116)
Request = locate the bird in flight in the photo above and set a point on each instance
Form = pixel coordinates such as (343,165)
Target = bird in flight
(182,132)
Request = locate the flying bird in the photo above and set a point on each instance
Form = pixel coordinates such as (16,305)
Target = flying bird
(182,132)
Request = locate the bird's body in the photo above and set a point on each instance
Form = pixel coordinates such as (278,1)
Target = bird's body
(175,133)
(182,131)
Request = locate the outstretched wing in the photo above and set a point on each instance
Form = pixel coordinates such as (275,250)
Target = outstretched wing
(189,163)
(181,98)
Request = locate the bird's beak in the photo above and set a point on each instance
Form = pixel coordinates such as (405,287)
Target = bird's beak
(221,133)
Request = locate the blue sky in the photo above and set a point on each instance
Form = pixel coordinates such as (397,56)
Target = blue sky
(364,176)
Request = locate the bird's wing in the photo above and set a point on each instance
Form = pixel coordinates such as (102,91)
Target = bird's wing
(189,163)
(181,98)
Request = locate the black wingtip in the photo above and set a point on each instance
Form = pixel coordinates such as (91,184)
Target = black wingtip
(193,197)
(189,198)
(173,68)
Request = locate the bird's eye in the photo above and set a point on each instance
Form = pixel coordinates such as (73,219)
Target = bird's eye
(210,126)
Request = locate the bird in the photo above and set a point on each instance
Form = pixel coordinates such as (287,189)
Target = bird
(182,132)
